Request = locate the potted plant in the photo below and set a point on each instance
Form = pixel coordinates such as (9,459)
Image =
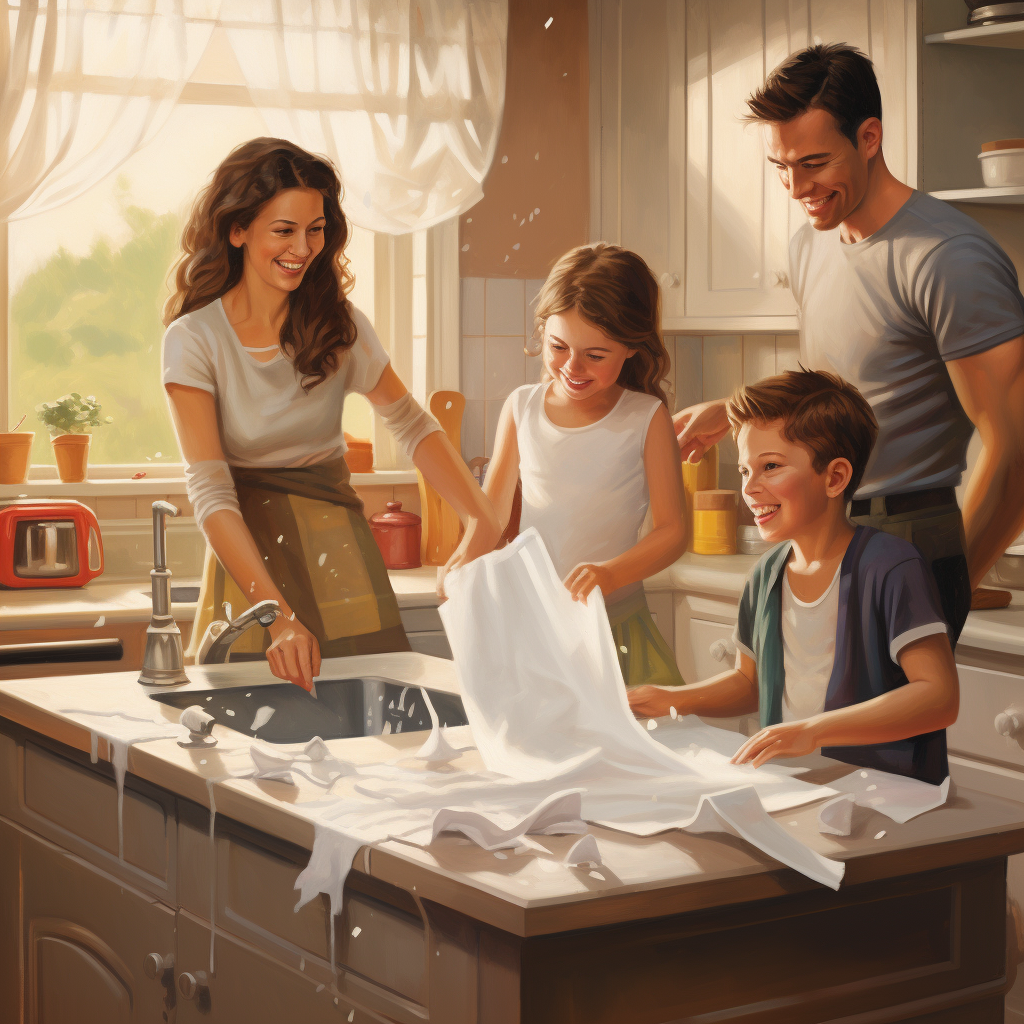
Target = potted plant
(15,454)
(69,420)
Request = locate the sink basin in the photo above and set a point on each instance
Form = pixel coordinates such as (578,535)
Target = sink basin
(185,592)
(366,706)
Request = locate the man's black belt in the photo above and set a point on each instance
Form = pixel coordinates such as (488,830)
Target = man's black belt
(898,504)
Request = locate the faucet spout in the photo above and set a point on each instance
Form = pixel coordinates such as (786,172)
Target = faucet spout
(164,662)
(215,648)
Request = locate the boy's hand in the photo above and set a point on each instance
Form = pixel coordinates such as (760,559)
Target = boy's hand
(582,580)
(653,701)
(789,739)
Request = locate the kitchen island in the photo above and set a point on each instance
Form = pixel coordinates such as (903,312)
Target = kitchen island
(174,921)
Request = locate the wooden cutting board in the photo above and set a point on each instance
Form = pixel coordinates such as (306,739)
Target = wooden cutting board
(442,529)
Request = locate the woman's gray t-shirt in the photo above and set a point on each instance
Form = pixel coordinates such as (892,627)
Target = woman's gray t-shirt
(888,312)
(266,419)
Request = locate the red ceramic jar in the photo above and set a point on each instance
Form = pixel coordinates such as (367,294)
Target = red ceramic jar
(397,534)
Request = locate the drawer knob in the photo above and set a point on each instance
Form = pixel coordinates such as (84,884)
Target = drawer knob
(722,649)
(1009,722)
(154,965)
(192,986)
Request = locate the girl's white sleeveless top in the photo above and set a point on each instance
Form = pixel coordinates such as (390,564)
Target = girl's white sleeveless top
(584,488)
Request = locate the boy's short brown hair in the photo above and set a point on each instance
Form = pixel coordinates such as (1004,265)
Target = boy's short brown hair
(819,410)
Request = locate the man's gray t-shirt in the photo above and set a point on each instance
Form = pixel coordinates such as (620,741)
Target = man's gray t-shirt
(886,314)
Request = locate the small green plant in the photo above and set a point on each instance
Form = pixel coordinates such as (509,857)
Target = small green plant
(72,414)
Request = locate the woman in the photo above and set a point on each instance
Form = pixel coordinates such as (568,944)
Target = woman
(261,348)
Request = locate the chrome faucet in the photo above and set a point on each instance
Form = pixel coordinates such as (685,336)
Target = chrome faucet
(215,648)
(163,664)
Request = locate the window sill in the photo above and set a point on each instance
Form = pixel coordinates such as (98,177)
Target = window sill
(104,483)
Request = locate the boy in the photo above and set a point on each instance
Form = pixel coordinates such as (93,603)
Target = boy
(840,641)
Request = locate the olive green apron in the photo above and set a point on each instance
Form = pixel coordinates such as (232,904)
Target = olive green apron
(308,525)
(644,657)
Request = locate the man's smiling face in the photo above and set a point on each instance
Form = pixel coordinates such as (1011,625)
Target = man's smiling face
(819,166)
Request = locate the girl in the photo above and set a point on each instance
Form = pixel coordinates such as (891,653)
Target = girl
(261,350)
(594,446)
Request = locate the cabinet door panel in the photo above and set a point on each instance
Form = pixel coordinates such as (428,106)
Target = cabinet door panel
(249,986)
(84,938)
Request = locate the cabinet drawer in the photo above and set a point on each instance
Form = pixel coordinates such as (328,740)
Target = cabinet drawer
(703,636)
(984,694)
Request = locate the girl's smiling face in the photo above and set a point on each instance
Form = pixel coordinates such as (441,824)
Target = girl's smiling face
(780,484)
(581,359)
(284,238)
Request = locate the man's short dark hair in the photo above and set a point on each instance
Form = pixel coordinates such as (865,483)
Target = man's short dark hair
(829,76)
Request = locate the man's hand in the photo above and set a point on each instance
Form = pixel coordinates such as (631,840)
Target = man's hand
(582,580)
(699,427)
(790,739)
(653,701)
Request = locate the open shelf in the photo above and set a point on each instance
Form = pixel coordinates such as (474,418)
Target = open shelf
(1006,194)
(1009,35)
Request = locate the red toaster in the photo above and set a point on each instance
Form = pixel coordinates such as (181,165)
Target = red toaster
(48,544)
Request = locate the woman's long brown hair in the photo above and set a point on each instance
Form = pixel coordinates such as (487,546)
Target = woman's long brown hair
(319,324)
(613,289)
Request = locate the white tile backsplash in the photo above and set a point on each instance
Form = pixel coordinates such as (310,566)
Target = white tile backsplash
(473,429)
(473,368)
(504,306)
(473,305)
(533,288)
(689,371)
(505,367)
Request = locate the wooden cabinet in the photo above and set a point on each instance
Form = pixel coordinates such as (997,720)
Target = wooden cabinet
(84,939)
(677,175)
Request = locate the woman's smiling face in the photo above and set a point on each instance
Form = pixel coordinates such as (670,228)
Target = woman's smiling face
(284,238)
(581,359)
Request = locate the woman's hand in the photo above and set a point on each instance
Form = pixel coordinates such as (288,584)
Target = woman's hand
(789,739)
(582,580)
(295,654)
(654,701)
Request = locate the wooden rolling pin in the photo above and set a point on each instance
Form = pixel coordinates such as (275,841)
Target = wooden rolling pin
(442,529)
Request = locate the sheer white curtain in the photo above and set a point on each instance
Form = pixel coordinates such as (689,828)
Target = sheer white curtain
(85,84)
(405,96)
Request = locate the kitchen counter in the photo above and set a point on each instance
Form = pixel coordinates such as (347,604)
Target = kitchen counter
(996,629)
(130,601)
(686,894)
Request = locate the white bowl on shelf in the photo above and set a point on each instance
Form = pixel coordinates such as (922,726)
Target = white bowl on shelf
(1001,167)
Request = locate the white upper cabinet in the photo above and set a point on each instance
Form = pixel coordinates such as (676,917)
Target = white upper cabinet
(678,175)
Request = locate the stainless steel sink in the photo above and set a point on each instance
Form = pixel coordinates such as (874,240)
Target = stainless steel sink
(187,593)
(367,706)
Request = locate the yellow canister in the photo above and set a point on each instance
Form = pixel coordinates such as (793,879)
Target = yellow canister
(714,522)
(698,476)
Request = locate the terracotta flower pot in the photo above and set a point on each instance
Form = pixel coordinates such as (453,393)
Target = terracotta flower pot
(72,454)
(15,456)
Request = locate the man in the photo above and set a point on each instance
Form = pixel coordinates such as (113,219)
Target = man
(911,301)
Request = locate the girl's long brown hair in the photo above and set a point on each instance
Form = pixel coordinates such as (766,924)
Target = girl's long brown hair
(613,289)
(319,325)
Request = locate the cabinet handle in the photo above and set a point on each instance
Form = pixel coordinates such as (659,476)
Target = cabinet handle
(669,280)
(1009,722)
(780,279)
(154,965)
(193,986)
(722,649)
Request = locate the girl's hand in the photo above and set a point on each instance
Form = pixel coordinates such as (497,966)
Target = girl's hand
(582,580)
(295,654)
(789,739)
(653,701)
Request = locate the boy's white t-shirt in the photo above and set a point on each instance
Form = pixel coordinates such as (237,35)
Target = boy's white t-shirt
(266,419)
(809,647)
(584,488)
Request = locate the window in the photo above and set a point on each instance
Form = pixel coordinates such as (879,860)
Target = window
(87,281)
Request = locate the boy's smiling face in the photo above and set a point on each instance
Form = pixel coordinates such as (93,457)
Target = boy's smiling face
(780,485)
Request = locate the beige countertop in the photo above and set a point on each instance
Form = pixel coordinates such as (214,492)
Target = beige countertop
(997,629)
(663,874)
(130,601)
